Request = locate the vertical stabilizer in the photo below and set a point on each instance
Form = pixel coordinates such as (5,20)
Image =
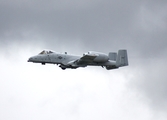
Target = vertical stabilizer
(122,58)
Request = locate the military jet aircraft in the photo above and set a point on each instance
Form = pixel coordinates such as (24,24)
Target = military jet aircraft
(110,61)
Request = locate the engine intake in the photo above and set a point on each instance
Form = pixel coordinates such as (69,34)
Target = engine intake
(100,57)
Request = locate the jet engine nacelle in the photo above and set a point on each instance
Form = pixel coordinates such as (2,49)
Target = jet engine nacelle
(100,57)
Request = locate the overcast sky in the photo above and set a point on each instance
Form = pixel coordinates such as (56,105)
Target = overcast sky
(31,91)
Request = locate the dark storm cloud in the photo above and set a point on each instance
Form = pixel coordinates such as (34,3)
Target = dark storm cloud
(139,26)
(95,22)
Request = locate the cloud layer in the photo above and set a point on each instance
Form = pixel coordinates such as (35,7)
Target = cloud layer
(32,91)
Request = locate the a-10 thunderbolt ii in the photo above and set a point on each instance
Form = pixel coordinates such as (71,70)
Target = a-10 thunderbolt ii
(110,61)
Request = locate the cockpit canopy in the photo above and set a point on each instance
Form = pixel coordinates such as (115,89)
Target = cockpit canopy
(44,52)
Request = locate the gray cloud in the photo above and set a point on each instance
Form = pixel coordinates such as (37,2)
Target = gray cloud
(132,24)
(151,81)
(101,21)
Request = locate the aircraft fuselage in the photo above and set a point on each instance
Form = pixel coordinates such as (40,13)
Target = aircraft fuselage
(72,61)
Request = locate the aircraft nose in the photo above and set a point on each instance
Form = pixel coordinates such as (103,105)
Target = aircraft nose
(30,59)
